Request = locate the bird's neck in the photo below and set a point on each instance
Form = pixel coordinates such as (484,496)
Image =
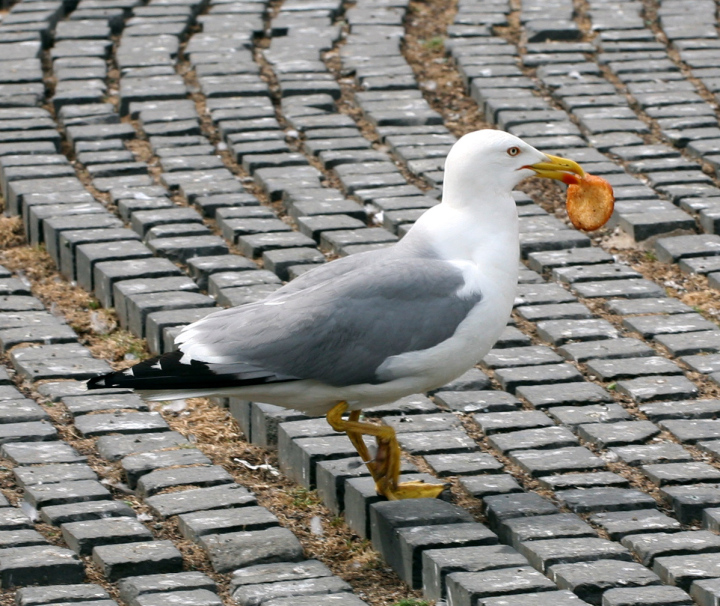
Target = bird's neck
(480,233)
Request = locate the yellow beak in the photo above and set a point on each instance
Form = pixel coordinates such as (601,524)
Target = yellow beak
(558,168)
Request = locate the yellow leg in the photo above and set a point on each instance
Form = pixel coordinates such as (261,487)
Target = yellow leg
(385,468)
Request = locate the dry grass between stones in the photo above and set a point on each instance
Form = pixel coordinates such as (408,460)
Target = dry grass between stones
(348,556)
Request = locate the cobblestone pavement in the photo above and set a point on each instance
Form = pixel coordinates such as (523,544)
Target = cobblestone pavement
(183,155)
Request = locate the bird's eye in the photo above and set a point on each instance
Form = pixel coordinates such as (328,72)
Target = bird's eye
(513,151)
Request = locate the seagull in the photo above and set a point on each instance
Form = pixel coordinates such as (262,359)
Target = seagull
(376,326)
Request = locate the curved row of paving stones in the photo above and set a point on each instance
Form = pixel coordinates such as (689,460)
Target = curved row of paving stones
(302,445)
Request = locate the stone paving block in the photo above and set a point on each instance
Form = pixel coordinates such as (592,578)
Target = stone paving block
(648,454)
(547,260)
(690,343)
(438,563)
(573,394)
(38,453)
(647,596)
(88,255)
(546,462)
(500,422)
(49,474)
(691,431)
(543,554)
(573,416)
(13,518)
(647,547)
(653,388)
(361,493)
(19,303)
(504,507)
(80,405)
(675,248)
(520,356)
(617,434)
(692,472)
(161,479)
(512,337)
(47,565)
(630,368)
(445,442)
(49,332)
(234,550)
(528,439)
(21,411)
(264,592)
(107,273)
(689,409)
(650,326)
(583,480)
(477,401)
(554,526)
(387,517)
(619,524)
(711,447)
(197,597)
(83,536)
(119,561)
(298,458)
(114,447)
(606,499)
(631,307)
(199,499)
(703,363)
(542,294)
(559,311)
(559,332)
(264,420)
(710,519)
(550,374)
(589,580)
(32,431)
(331,477)
(136,466)
(133,587)
(704,592)
(467,588)
(626,289)
(490,485)
(82,511)
(472,380)
(421,423)
(342,599)
(547,598)
(683,570)
(21,537)
(588,273)
(59,493)
(39,596)
(413,541)
(119,422)
(76,368)
(197,524)
(463,464)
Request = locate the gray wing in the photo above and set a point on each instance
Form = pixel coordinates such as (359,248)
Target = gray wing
(340,330)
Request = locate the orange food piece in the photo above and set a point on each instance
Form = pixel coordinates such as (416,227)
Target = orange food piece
(590,202)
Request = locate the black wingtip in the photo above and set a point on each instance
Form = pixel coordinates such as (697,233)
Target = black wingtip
(101,382)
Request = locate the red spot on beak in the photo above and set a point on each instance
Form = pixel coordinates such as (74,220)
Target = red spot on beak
(570,179)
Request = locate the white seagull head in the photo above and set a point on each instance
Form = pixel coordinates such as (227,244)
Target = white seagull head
(494,162)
